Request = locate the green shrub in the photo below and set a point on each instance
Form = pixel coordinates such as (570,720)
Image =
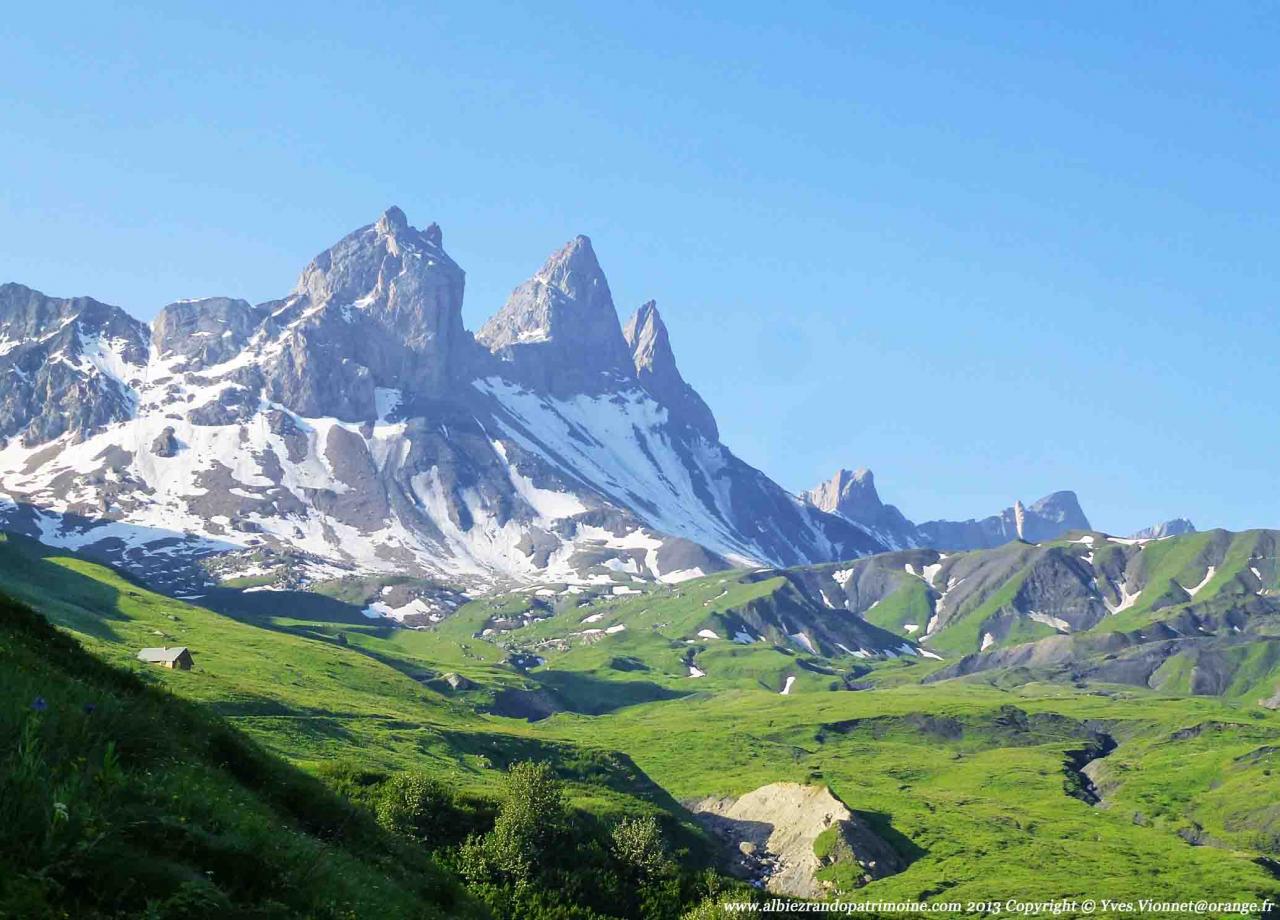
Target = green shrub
(415,806)
(638,844)
(529,822)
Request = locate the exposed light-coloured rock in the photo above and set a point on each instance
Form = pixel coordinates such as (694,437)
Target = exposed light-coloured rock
(773,829)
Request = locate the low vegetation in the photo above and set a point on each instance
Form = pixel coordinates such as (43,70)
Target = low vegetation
(323,766)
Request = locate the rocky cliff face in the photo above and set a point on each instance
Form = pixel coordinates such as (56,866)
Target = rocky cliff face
(381,308)
(655,367)
(853,495)
(67,365)
(354,425)
(203,332)
(559,330)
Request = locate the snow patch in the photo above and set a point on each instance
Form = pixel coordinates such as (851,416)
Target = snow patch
(1208,576)
(1049,620)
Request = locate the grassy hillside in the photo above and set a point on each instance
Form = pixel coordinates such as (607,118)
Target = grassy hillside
(974,783)
(118,799)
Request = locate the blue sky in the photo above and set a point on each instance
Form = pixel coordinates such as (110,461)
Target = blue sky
(987,252)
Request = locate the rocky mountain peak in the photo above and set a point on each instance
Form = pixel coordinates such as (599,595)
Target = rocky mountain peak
(392,221)
(851,493)
(560,329)
(205,332)
(1057,510)
(66,364)
(655,367)
(381,308)
(1174,528)
(369,261)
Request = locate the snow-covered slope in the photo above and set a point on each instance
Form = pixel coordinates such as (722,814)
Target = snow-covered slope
(355,426)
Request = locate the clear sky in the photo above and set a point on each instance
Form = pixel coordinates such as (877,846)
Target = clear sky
(989,250)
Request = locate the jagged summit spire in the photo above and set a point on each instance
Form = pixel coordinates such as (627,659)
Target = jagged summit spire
(372,256)
(560,327)
(574,270)
(392,219)
(382,307)
(655,366)
(394,224)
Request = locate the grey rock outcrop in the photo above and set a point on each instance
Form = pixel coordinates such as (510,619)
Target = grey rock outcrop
(1046,519)
(852,494)
(380,308)
(559,330)
(655,366)
(166,443)
(204,332)
(66,364)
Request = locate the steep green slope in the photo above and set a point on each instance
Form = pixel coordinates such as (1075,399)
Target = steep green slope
(116,798)
(317,692)
(976,783)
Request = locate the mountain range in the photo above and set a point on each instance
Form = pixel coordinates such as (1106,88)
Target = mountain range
(355,425)
(852,494)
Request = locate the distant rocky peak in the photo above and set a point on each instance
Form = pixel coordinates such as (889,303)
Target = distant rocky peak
(847,492)
(1059,508)
(852,495)
(1174,528)
(647,337)
(364,265)
(655,367)
(560,329)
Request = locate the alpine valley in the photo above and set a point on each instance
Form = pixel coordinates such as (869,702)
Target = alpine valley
(494,625)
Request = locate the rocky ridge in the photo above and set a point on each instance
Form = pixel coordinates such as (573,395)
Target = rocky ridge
(852,495)
(354,425)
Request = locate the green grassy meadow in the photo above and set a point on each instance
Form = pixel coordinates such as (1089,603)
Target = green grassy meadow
(967,780)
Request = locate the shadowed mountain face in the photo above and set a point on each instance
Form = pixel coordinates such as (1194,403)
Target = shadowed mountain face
(354,425)
(853,495)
